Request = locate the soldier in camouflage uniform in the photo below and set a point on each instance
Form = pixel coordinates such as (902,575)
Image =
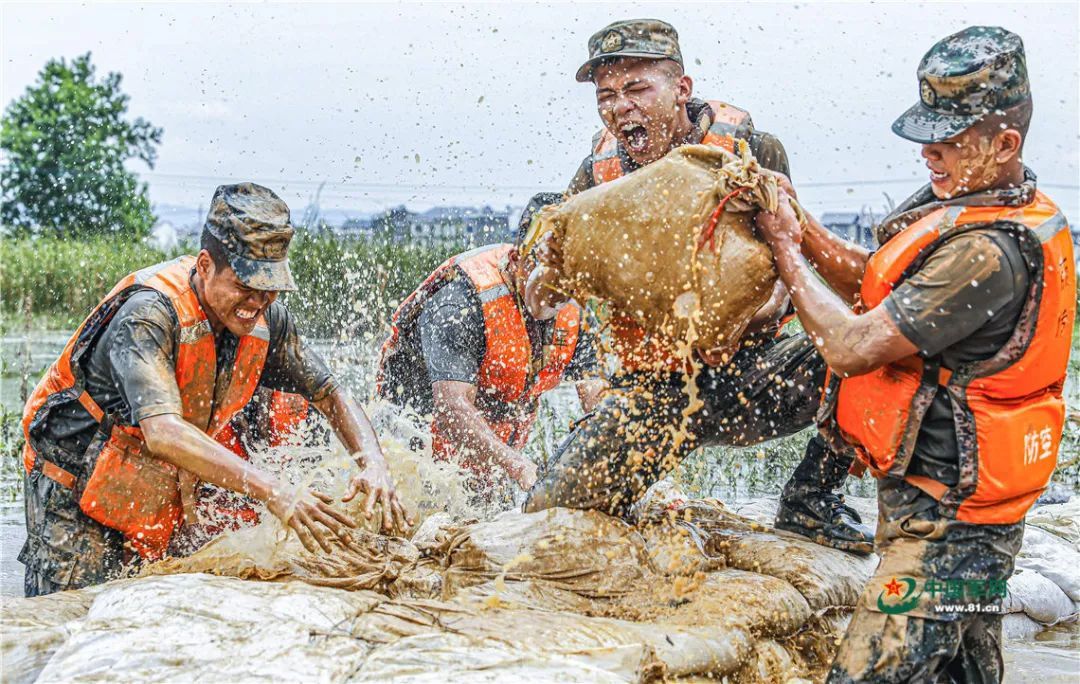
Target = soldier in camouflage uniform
(950,346)
(122,396)
(770,388)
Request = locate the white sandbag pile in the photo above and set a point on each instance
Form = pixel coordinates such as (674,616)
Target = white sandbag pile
(559,594)
(1045,589)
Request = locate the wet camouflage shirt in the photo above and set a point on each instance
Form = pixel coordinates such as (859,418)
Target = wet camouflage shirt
(130,368)
(449,344)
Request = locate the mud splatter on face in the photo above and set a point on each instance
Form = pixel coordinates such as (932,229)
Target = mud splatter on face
(963,165)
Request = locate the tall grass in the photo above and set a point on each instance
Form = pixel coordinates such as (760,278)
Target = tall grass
(350,286)
(62,280)
(347,286)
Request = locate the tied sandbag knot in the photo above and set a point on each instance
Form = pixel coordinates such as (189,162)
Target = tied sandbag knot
(708,236)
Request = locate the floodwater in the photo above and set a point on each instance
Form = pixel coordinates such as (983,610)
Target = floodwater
(1054,656)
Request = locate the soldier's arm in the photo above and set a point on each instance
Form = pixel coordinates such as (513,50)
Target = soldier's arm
(840,262)
(309,513)
(459,420)
(852,344)
(353,429)
(292,366)
(962,285)
(143,365)
(453,344)
(585,367)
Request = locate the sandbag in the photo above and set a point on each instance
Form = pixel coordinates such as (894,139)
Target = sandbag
(1019,627)
(645,244)
(31,630)
(1039,598)
(557,595)
(585,552)
(826,577)
(200,627)
(1053,558)
(1061,519)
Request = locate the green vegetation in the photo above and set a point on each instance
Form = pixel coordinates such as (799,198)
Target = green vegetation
(58,281)
(66,140)
(347,286)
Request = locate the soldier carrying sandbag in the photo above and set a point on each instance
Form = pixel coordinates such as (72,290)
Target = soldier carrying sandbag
(465,351)
(769,388)
(948,347)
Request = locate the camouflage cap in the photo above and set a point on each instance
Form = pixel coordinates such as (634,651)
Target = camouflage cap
(649,38)
(253,225)
(962,79)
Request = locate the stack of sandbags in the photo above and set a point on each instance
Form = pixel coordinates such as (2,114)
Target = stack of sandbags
(1045,589)
(670,242)
(560,594)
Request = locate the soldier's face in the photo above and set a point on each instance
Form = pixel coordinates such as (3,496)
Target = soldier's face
(969,162)
(229,302)
(639,101)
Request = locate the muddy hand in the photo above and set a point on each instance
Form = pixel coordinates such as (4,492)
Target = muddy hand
(781,225)
(375,484)
(782,181)
(524,474)
(311,515)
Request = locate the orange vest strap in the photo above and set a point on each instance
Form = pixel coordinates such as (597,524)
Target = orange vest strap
(57,474)
(930,486)
(91,406)
(944,376)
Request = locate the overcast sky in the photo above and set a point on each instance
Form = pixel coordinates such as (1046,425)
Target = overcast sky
(426,104)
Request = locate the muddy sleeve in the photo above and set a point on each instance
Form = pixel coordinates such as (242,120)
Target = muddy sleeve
(770,152)
(962,286)
(452,334)
(291,365)
(142,339)
(583,179)
(584,362)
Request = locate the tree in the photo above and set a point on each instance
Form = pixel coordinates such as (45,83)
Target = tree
(66,141)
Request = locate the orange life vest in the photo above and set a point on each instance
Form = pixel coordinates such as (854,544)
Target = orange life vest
(1008,410)
(508,383)
(637,350)
(125,487)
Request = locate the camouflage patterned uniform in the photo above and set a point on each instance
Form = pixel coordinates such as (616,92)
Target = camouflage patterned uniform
(770,389)
(129,371)
(899,632)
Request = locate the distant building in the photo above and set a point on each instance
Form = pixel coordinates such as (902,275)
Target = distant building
(856,226)
(475,225)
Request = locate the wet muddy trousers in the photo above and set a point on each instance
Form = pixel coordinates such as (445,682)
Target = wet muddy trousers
(921,644)
(892,649)
(65,548)
(638,433)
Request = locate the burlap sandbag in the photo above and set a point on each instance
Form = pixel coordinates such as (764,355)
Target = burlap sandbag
(637,243)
